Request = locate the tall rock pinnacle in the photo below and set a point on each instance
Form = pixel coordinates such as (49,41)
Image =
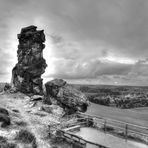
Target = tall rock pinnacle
(26,75)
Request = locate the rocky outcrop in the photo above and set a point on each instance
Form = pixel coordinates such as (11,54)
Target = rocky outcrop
(4,117)
(4,111)
(66,96)
(26,75)
(7,87)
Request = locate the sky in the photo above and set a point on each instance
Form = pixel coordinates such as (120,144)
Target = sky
(87,41)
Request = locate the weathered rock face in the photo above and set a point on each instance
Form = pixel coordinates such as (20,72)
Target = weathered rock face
(68,97)
(26,75)
(4,117)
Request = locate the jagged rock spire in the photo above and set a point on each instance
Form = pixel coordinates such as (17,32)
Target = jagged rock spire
(26,75)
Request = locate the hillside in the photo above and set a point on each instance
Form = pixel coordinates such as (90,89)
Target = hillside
(125,97)
(25,116)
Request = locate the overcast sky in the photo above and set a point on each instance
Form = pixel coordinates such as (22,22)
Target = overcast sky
(87,41)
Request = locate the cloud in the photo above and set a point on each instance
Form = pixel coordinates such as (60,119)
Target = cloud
(121,25)
(5,60)
(87,41)
(71,69)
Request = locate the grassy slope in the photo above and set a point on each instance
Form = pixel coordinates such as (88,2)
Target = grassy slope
(130,116)
(27,114)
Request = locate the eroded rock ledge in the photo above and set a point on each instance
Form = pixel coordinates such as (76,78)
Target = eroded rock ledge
(63,94)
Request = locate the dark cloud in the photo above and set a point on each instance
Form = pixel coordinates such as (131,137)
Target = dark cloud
(70,69)
(87,41)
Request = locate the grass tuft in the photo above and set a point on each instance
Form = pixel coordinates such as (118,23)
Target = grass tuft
(5,144)
(21,123)
(26,137)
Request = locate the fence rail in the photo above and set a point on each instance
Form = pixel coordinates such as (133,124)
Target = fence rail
(127,128)
(79,139)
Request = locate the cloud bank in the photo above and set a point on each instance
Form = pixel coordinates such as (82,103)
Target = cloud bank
(97,42)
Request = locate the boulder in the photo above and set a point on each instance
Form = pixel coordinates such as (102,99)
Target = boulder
(7,87)
(4,111)
(36,98)
(26,75)
(66,96)
(4,119)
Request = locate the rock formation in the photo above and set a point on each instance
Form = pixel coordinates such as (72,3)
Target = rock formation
(4,117)
(26,75)
(66,96)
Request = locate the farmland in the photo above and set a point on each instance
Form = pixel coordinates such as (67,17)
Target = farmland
(125,97)
(127,115)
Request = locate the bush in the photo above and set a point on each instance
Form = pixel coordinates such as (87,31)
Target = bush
(108,128)
(101,101)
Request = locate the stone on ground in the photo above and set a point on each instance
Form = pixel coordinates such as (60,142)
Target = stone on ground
(66,96)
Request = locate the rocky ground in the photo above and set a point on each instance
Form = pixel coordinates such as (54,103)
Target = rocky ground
(31,117)
(27,115)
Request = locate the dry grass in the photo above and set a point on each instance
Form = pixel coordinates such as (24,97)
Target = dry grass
(8,145)
(127,115)
(5,144)
(21,123)
(25,136)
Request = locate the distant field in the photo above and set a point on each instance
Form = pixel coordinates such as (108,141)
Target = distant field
(138,117)
(141,109)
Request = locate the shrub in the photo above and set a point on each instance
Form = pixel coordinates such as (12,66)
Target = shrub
(25,137)
(101,101)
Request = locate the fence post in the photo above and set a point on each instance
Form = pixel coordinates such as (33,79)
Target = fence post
(126,131)
(105,125)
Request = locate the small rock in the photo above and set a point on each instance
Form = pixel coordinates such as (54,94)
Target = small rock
(46,108)
(13,90)
(5,119)
(37,98)
(7,87)
(15,110)
(4,111)
(33,104)
(27,98)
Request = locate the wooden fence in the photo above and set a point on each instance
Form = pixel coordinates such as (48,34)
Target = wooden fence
(127,129)
(77,139)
